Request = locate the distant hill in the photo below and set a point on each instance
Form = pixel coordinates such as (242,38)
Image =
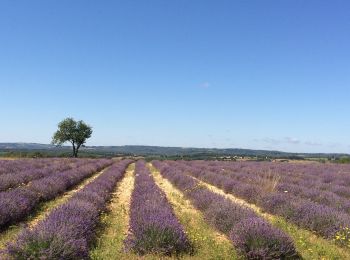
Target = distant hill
(140,150)
(16,146)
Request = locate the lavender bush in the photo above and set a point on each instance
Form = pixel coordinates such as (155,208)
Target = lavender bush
(295,197)
(18,203)
(256,238)
(232,219)
(68,230)
(36,170)
(19,165)
(153,225)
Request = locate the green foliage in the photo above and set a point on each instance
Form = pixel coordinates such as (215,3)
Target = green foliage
(343,160)
(75,132)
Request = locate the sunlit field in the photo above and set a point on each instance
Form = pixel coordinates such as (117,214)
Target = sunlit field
(127,209)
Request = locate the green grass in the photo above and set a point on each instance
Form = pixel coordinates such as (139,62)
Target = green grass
(308,244)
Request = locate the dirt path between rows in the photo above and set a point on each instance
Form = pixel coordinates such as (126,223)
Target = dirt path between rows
(115,221)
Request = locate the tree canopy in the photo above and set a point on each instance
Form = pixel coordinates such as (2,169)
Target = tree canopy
(75,132)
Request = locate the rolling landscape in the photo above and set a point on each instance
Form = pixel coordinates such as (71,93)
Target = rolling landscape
(63,208)
(33,149)
(205,130)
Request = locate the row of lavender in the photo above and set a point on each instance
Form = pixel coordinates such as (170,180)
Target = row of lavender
(254,237)
(36,171)
(153,225)
(293,182)
(326,177)
(18,203)
(18,165)
(305,213)
(67,232)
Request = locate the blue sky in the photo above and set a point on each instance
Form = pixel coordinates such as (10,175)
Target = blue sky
(250,74)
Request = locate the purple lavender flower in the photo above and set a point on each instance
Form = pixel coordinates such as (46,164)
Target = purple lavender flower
(68,230)
(153,225)
(18,203)
(254,237)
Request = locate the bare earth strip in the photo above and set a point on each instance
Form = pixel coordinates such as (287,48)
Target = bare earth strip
(115,222)
(308,244)
(43,211)
(208,243)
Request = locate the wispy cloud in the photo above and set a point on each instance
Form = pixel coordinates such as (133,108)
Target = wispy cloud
(285,140)
(292,140)
(204,85)
(313,143)
(271,140)
(334,145)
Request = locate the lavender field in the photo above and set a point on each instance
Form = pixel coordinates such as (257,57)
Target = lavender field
(127,209)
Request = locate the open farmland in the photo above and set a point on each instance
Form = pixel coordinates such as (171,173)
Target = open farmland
(124,209)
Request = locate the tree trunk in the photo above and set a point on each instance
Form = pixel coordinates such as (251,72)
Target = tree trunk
(75,152)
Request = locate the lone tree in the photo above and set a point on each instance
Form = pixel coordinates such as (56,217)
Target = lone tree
(75,132)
